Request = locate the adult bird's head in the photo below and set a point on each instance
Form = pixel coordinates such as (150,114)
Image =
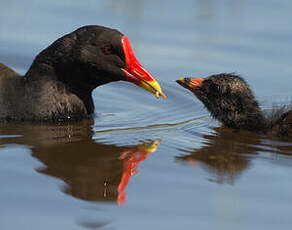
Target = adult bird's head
(93,56)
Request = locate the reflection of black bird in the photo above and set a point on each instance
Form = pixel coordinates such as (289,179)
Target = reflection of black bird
(230,100)
(226,153)
(60,81)
(91,171)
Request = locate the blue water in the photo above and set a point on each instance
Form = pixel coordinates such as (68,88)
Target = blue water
(187,172)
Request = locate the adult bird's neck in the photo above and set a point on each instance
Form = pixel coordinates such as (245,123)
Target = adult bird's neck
(69,98)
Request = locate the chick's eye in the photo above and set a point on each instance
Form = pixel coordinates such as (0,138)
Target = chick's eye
(107,50)
(213,90)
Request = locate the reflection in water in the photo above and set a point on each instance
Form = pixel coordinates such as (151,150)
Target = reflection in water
(94,225)
(131,157)
(227,153)
(91,171)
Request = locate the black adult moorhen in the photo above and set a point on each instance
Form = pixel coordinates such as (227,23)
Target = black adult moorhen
(230,100)
(59,83)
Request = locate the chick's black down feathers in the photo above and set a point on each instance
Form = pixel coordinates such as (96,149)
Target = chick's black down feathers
(230,100)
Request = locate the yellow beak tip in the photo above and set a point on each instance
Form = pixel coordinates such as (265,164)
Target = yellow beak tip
(153,87)
(157,94)
(180,80)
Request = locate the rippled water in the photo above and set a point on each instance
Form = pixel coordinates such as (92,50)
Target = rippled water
(145,163)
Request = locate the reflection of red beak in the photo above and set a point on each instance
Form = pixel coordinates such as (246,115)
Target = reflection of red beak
(130,165)
(131,157)
(136,73)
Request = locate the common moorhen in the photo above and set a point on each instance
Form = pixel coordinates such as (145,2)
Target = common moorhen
(60,81)
(230,100)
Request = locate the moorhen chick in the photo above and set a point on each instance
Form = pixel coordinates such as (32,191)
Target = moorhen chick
(230,100)
(60,81)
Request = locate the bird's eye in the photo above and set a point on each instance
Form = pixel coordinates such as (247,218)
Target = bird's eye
(108,49)
(214,88)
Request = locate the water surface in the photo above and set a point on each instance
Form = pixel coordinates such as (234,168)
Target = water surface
(144,163)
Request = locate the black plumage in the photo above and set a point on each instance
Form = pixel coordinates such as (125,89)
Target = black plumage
(230,100)
(60,81)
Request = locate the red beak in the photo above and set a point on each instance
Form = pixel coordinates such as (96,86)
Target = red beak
(136,73)
(192,84)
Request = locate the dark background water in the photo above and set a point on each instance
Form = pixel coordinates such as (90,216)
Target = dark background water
(145,163)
